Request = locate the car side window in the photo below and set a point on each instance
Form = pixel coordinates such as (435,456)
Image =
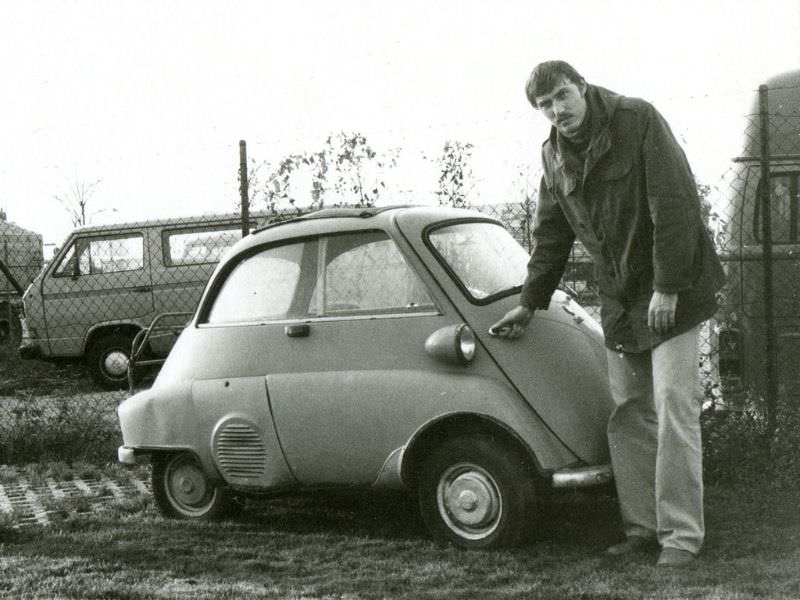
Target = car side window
(102,255)
(365,273)
(337,275)
(262,287)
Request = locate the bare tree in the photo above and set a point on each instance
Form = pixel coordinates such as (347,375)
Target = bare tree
(76,202)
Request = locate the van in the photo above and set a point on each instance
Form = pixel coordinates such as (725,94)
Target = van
(107,283)
(742,331)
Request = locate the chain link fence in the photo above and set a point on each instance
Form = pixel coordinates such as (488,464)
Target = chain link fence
(107,283)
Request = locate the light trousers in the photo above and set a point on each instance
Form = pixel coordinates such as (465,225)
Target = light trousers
(655,442)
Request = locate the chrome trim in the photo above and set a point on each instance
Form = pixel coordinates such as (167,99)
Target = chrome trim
(390,476)
(582,476)
(365,317)
(126,455)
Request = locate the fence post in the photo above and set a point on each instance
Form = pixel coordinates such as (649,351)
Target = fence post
(243,187)
(766,241)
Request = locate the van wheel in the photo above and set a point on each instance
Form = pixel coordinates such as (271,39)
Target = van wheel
(476,493)
(108,359)
(182,490)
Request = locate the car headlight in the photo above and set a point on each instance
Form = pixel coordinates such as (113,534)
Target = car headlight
(454,344)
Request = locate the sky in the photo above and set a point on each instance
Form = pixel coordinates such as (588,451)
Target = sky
(150,99)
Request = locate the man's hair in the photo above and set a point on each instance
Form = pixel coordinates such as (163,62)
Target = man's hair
(547,75)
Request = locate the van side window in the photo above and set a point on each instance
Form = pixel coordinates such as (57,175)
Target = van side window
(198,246)
(783,201)
(102,255)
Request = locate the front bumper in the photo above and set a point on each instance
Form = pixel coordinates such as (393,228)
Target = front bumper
(582,476)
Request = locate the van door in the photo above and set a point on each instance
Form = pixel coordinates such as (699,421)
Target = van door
(98,278)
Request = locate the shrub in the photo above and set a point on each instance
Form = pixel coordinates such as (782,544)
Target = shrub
(53,429)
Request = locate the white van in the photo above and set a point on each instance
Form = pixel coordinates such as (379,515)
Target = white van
(108,282)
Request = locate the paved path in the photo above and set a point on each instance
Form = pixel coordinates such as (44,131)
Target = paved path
(24,504)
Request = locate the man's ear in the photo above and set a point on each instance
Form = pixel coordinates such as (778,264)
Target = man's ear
(582,87)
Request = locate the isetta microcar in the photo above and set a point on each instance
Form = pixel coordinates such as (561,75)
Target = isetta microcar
(351,348)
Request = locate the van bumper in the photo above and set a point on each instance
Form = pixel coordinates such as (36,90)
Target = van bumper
(29,349)
(28,346)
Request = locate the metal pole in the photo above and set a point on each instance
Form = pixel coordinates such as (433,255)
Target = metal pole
(771,347)
(243,187)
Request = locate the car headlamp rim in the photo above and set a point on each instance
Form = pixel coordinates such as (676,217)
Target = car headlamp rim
(466,344)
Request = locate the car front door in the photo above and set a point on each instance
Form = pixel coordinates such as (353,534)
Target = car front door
(559,364)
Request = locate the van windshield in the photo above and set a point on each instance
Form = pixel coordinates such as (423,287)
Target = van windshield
(483,257)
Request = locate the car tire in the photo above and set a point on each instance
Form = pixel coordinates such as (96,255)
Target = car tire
(108,359)
(477,493)
(183,491)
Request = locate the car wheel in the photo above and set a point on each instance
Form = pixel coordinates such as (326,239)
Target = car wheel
(476,493)
(108,360)
(182,490)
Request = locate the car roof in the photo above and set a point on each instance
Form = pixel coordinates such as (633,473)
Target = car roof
(344,219)
(330,220)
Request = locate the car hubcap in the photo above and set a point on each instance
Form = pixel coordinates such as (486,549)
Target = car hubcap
(188,486)
(116,363)
(469,501)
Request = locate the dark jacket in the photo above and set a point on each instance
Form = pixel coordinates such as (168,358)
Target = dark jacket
(636,210)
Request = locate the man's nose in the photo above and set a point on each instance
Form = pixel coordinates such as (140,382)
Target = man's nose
(558,108)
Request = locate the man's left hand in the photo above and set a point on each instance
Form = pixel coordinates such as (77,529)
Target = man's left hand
(661,314)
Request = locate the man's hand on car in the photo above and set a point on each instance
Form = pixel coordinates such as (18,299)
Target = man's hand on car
(513,324)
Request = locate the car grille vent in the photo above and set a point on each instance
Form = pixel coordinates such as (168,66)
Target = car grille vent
(240,451)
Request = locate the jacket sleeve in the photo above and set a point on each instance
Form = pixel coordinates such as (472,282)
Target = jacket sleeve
(552,242)
(674,207)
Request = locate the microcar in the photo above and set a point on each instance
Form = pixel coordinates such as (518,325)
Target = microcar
(350,348)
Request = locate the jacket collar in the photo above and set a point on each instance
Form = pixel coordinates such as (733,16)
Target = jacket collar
(603,105)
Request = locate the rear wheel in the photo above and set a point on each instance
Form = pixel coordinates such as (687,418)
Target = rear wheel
(476,493)
(182,490)
(108,359)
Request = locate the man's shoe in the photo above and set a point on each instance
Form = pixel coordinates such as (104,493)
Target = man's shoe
(634,543)
(674,557)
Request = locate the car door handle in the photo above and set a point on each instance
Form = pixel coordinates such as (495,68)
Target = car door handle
(300,330)
(142,290)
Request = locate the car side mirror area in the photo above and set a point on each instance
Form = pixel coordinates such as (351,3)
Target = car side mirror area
(454,344)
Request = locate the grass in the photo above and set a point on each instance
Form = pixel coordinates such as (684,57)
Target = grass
(40,378)
(375,546)
(346,546)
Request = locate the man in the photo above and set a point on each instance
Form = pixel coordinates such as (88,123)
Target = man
(615,178)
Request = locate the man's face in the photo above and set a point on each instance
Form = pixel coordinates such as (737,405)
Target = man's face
(564,106)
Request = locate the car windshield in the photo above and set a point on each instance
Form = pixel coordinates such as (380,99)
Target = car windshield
(483,256)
